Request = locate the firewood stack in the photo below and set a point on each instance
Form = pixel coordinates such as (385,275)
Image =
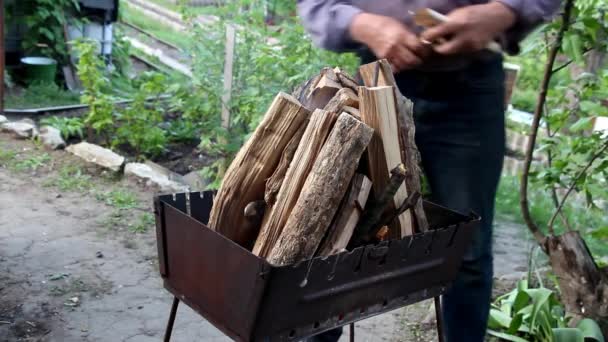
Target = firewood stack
(331,167)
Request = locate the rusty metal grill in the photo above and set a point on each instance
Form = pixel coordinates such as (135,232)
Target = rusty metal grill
(250,300)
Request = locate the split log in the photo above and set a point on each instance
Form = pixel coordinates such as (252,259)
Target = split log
(347,217)
(322,192)
(245,178)
(321,123)
(344,97)
(320,90)
(380,74)
(347,81)
(378,110)
(352,111)
(273,184)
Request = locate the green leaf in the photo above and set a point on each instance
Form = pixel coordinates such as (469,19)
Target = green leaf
(590,330)
(582,124)
(499,319)
(567,335)
(507,337)
(516,323)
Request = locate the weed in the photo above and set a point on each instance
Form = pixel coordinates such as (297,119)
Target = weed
(119,199)
(71,178)
(41,95)
(114,221)
(32,163)
(145,221)
(69,127)
(7,157)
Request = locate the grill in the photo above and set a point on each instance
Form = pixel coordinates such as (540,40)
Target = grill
(250,300)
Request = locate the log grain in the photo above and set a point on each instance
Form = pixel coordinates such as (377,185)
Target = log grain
(407,131)
(313,138)
(347,217)
(322,192)
(345,97)
(245,179)
(378,110)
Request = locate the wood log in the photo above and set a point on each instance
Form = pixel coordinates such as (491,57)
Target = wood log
(352,111)
(347,217)
(322,192)
(378,110)
(407,130)
(321,90)
(321,123)
(347,81)
(246,177)
(273,184)
(344,97)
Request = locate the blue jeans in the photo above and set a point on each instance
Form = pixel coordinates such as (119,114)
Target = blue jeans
(460,132)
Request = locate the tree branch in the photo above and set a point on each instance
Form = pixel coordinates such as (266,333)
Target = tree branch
(574,181)
(542,98)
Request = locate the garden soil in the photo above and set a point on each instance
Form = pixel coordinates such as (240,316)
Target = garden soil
(70,270)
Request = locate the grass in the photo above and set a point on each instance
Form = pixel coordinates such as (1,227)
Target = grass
(7,157)
(71,178)
(209,10)
(541,208)
(32,163)
(156,28)
(119,199)
(41,95)
(146,220)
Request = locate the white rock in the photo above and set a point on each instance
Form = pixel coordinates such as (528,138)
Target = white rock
(51,137)
(97,155)
(154,177)
(24,129)
(195,181)
(3,119)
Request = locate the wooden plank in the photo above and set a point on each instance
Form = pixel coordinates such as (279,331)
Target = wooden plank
(407,131)
(321,123)
(378,110)
(347,217)
(245,179)
(228,66)
(322,192)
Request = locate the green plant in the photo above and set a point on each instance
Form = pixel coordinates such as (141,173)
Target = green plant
(138,124)
(45,21)
(146,220)
(90,71)
(535,315)
(71,178)
(32,163)
(7,156)
(119,199)
(69,127)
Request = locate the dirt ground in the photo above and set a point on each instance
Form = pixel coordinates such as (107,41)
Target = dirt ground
(78,259)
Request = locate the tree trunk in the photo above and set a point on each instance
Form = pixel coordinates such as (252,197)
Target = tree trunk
(245,179)
(323,191)
(583,285)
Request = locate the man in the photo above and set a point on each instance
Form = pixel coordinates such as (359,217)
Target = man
(457,88)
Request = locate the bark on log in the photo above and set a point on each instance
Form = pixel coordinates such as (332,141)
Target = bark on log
(273,184)
(322,192)
(378,110)
(321,123)
(407,131)
(344,97)
(583,285)
(246,177)
(347,217)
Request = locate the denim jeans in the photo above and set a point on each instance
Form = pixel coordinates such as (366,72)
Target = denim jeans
(460,132)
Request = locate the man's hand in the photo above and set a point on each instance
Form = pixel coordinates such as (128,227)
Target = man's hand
(388,38)
(470,28)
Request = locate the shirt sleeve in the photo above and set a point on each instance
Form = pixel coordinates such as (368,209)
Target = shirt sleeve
(328,21)
(530,13)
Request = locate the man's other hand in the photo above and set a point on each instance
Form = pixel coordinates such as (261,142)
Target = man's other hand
(390,39)
(470,28)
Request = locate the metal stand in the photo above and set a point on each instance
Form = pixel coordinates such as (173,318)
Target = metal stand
(439,318)
(169,329)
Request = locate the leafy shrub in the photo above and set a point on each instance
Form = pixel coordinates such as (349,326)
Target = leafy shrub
(535,315)
(69,127)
